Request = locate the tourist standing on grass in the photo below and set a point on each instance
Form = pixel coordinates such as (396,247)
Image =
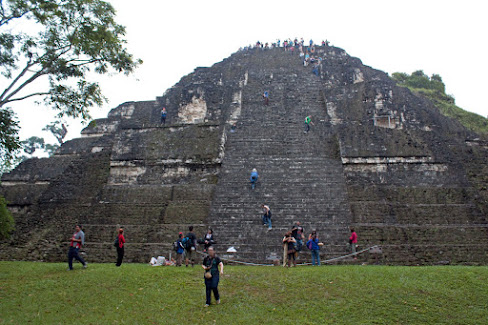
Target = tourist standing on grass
(266,216)
(120,247)
(190,247)
(77,241)
(289,244)
(353,242)
(179,249)
(211,264)
(297,232)
(314,246)
(208,240)
(254,178)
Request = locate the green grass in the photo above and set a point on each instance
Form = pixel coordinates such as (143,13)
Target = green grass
(472,121)
(43,293)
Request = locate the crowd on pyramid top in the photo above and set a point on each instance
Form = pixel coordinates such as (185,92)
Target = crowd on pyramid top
(288,45)
(306,51)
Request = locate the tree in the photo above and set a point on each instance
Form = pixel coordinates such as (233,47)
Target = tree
(419,80)
(51,148)
(32,144)
(74,39)
(59,132)
(9,141)
(6,220)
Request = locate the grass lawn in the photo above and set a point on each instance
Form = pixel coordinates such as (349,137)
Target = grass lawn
(45,293)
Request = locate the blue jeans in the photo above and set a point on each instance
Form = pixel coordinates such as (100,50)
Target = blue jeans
(73,253)
(254,180)
(299,244)
(211,285)
(267,220)
(315,257)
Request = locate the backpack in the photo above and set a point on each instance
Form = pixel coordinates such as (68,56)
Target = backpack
(309,244)
(186,243)
(175,246)
(116,242)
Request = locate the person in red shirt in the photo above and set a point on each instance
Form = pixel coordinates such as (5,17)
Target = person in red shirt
(120,247)
(353,241)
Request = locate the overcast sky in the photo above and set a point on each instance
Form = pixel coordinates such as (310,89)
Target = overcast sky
(175,37)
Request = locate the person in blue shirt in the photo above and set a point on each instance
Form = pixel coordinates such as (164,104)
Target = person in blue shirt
(179,249)
(266,98)
(254,178)
(163,115)
(314,246)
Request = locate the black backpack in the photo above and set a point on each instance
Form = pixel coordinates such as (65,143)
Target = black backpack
(116,242)
(186,242)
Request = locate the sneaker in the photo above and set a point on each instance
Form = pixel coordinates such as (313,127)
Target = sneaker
(269,229)
(68,269)
(85,265)
(206,305)
(218,302)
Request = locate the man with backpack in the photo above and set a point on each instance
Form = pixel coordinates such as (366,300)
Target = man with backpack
(298,233)
(189,244)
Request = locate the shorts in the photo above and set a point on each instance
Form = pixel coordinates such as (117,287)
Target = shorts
(190,253)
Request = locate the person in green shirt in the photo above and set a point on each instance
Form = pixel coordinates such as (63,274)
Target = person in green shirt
(308,121)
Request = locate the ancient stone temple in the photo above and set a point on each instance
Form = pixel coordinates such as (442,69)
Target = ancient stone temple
(378,158)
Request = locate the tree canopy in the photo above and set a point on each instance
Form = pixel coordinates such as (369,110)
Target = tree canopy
(73,38)
(419,80)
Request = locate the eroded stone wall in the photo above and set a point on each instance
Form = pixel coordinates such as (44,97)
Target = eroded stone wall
(408,178)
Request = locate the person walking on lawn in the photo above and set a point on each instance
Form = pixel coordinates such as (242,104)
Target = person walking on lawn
(77,241)
(211,264)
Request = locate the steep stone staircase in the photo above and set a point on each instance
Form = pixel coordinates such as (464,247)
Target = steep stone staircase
(300,175)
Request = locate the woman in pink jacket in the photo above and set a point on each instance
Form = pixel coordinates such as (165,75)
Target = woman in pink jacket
(120,247)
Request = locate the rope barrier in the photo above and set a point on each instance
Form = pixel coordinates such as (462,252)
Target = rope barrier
(344,256)
(303,264)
